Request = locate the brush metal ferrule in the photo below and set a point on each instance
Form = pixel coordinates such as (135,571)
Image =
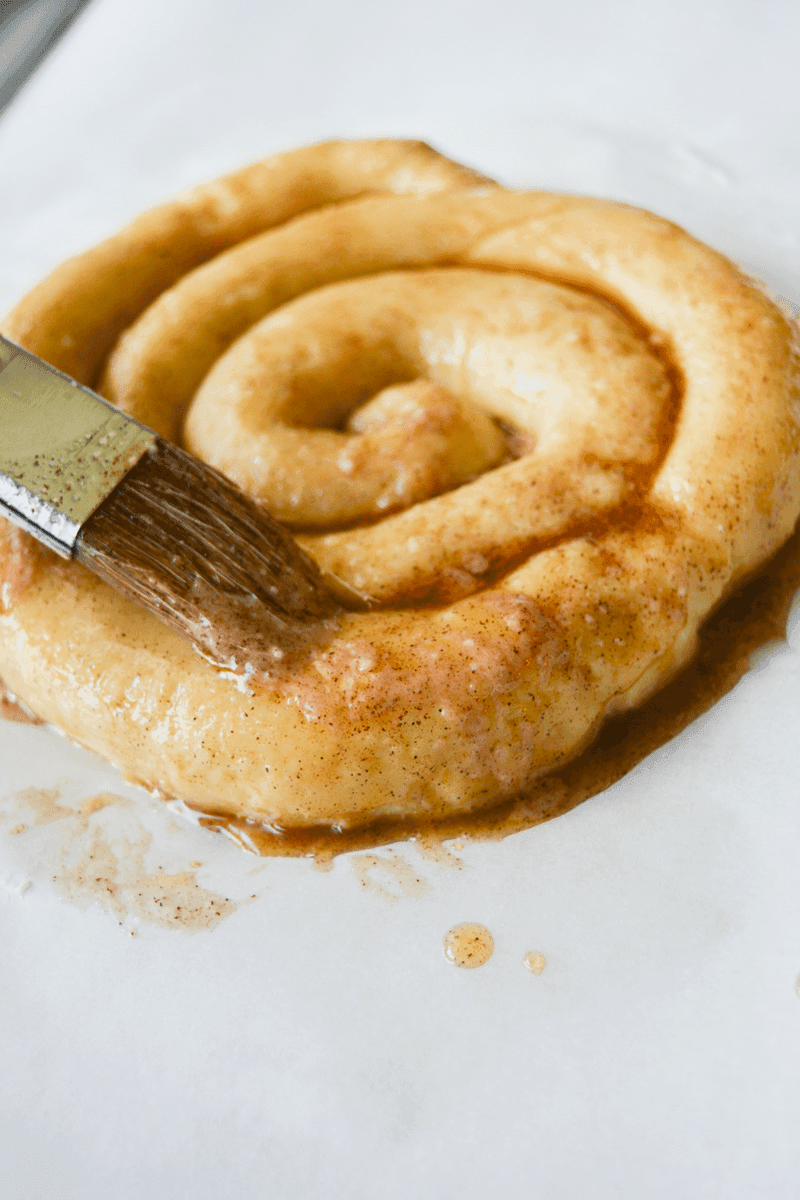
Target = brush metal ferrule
(63,449)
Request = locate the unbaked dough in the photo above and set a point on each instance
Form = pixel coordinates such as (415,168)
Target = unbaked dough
(545,434)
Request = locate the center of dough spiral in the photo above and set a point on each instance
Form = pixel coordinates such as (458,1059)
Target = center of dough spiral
(465,414)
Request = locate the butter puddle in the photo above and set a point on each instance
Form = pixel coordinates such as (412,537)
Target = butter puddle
(535,961)
(99,852)
(468,945)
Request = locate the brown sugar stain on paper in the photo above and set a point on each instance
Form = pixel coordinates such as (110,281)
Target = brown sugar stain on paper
(437,851)
(391,875)
(45,806)
(388,875)
(97,864)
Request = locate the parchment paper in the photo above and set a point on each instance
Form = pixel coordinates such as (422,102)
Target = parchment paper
(178,1019)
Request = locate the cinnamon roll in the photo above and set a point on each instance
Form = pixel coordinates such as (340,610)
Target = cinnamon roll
(543,435)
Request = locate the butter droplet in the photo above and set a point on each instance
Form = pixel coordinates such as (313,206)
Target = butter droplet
(535,962)
(468,945)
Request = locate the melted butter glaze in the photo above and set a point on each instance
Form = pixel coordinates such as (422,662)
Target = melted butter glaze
(751,618)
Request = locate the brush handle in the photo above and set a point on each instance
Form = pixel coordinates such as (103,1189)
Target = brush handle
(63,449)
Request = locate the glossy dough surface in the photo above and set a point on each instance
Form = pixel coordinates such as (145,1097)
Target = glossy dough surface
(546,434)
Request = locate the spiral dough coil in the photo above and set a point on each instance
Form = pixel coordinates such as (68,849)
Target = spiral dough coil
(544,434)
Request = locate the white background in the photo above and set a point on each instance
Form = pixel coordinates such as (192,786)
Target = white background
(316,1043)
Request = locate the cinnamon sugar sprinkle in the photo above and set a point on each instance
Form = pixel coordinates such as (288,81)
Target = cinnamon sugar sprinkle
(753,617)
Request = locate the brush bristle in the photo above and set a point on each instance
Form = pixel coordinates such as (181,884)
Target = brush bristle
(185,543)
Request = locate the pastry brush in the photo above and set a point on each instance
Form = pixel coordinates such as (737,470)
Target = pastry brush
(167,531)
